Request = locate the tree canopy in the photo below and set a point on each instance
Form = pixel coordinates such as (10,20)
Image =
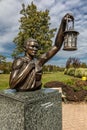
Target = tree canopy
(73,62)
(34,24)
(2,58)
(5,67)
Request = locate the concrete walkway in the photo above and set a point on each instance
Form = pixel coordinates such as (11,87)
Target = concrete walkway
(74,116)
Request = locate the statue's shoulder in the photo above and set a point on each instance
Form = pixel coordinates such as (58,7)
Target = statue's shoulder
(18,62)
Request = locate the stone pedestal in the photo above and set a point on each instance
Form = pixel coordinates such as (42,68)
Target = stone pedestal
(37,110)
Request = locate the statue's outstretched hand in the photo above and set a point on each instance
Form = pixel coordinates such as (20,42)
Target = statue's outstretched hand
(68,16)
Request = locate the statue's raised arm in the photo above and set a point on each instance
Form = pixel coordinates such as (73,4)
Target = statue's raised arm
(58,41)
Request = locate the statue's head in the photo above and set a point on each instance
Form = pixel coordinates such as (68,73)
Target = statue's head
(31,47)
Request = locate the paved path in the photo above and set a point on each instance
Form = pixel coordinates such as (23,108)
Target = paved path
(74,116)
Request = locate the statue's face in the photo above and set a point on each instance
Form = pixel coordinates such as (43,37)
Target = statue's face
(32,49)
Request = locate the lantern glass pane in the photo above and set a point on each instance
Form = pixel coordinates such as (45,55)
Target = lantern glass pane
(69,40)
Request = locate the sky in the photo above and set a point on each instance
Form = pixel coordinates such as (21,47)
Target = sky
(9,25)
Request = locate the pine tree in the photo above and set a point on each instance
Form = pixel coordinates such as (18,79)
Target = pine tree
(34,24)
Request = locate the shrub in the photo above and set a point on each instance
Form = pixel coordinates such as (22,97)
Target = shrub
(84,87)
(65,71)
(80,72)
(76,89)
(70,82)
(71,71)
(85,73)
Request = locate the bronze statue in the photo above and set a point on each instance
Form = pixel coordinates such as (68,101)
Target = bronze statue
(27,71)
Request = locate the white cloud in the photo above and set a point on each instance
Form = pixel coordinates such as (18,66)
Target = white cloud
(44,4)
(72,3)
(9,15)
(9,11)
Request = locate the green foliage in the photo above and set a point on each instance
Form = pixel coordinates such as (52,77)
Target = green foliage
(83,65)
(2,59)
(70,81)
(57,76)
(76,63)
(68,63)
(35,24)
(71,71)
(65,71)
(73,62)
(4,65)
(76,89)
(84,87)
(85,72)
(81,72)
(7,67)
(52,68)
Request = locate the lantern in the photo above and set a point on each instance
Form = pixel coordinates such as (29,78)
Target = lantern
(70,36)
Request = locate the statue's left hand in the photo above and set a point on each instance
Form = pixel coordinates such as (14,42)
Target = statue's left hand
(68,16)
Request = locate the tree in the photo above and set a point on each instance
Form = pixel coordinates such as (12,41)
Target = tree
(2,59)
(83,65)
(4,65)
(68,63)
(73,62)
(7,67)
(2,62)
(34,24)
(76,63)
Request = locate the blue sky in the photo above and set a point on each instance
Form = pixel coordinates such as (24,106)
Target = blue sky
(9,25)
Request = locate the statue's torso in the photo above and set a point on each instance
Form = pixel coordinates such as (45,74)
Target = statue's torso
(32,80)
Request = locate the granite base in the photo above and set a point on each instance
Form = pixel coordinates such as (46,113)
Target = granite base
(37,110)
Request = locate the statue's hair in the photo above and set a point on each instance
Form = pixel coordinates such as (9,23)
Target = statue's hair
(27,42)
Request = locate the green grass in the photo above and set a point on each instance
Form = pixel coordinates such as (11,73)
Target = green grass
(4,81)
(55,76)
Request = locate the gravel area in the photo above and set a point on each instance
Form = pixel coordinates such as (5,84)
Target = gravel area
(74,116)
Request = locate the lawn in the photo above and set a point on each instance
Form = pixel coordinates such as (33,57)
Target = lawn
(55,76)
(4,81)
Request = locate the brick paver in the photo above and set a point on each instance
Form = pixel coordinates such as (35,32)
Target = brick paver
(74,116)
